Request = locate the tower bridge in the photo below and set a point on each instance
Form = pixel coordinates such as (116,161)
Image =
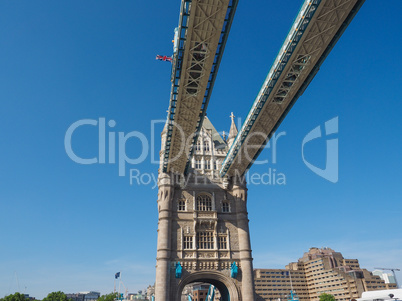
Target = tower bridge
(203,233)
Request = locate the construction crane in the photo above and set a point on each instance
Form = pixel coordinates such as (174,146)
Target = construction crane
(393,272)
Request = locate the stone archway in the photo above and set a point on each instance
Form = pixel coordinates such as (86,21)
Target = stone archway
(225,285)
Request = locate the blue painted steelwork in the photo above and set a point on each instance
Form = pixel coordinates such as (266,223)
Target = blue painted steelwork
(293,296)
(178,270)
(259,102)
(296,32)
(234,269)
(211,293)
(179,45)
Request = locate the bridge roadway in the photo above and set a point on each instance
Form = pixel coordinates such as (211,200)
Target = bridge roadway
(315,31)
(199,42)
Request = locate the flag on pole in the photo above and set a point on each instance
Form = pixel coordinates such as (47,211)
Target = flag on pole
(164,58)
(117,275)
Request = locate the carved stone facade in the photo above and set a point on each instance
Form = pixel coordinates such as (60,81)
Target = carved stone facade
(203,226)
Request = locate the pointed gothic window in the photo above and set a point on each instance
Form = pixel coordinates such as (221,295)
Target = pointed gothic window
(207,164)
(198,164)
(204,203)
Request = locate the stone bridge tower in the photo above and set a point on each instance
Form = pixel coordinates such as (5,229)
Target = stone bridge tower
(203,233)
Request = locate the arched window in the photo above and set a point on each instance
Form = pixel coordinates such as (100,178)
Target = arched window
(204,203)
(181,205)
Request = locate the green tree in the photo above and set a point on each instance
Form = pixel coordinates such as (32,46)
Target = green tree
(108,297)
(56,296)
(327,297)
(15,297)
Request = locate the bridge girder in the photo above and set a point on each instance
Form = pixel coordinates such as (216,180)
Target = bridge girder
(202,34)
(315,31)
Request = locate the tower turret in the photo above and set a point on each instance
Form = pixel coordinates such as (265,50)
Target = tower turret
(232,132)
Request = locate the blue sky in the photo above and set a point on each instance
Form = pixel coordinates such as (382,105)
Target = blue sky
(70,227)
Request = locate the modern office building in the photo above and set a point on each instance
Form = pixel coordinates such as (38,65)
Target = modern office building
(200,292)
(318,271)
